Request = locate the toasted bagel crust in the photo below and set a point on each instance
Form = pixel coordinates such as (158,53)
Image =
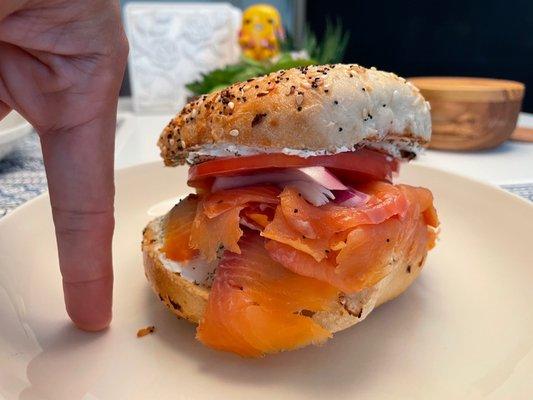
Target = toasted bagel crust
(328,108)
(189,300)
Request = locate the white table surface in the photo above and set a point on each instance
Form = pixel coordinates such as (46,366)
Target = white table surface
(510,163)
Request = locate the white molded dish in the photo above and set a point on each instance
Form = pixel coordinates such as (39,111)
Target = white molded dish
(463,330)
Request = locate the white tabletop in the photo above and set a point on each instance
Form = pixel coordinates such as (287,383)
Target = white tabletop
(510,163)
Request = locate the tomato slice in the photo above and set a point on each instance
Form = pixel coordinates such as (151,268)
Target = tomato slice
(356,166)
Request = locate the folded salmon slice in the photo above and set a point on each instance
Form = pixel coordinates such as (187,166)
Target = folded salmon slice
(317,230)
(281,231)
(385,201)
(365,257)
(211,236)
(216,226)
(256,306)
(177,227)
(360,264)
(217,203)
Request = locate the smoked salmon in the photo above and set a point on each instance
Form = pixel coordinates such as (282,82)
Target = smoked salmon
(216,226)
(365,256)
(283,259)
(385,201)
(256,306)
(224,200)
(213,235)
(177,226)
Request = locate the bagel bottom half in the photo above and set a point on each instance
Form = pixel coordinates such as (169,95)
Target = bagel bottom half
(188,300)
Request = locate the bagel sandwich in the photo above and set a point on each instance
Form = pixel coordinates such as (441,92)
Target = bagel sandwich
(296,230)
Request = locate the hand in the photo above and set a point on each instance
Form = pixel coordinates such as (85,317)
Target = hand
(61,65)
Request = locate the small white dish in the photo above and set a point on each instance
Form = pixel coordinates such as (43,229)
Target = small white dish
(12,128)
(464,330)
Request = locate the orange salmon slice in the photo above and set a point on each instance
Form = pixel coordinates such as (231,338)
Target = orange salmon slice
(177,227)
(216,226)
(211,236)
(224,200)
(385,201)
(363,258)
(256,306)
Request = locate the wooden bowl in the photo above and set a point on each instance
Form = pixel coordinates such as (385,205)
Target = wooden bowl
(471,113)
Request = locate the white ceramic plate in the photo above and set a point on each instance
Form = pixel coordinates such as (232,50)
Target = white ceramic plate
(12,128)
(463,330)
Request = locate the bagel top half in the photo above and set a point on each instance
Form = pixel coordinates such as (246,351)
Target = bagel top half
(304,111)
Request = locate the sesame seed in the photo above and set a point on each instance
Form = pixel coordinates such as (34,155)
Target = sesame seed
(231,105)
(299,108)
(234,132)
(335,102)
(291,90)
(340,129)
(299,99)
(306,85)
(194,113)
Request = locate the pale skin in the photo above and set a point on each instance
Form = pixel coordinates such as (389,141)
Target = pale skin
(61,66)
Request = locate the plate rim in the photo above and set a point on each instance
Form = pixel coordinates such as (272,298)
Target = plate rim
(16,132)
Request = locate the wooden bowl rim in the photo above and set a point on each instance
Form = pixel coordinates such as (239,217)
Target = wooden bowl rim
(462,88)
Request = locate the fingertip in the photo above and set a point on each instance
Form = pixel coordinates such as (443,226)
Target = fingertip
(93,325)
(89,304)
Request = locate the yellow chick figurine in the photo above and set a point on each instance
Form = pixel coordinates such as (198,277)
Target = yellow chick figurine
(261,32)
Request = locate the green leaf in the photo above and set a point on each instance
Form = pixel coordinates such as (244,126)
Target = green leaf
(333,45)
(330,50)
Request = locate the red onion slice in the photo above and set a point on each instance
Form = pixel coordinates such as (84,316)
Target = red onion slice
(350,198)
(319,175)
(323,177)
(314,193)
(314,183)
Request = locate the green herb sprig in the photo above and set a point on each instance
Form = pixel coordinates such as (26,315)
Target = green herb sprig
(330,50)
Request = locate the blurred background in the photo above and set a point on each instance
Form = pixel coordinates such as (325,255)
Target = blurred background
(458,38)
(488,38)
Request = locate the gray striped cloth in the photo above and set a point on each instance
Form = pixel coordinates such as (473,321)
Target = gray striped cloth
(524,190)
(22,176)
